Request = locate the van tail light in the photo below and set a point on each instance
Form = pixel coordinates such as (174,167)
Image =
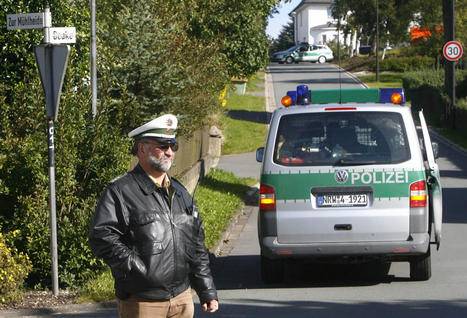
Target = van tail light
(267,198)
(418,194)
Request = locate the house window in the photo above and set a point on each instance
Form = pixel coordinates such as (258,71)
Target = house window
(301,19)
(324,39)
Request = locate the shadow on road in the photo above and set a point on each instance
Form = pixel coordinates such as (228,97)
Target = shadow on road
(243,271)
(454,198)
(321,309)
(454,202)
(253,116)
(343,80)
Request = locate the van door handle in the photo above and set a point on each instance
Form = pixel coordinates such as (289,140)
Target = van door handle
(343,227)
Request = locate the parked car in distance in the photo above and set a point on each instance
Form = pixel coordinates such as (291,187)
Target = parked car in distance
(304,53)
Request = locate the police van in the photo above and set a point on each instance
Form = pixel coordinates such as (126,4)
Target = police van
(347,177)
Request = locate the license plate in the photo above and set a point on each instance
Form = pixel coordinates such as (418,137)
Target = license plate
(342,200)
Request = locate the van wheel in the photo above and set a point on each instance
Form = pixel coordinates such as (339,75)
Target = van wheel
(321,59)
(289,60)
(420,267)
(272,270)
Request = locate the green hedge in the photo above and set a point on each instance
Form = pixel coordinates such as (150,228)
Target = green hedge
(404,64)
(425,89)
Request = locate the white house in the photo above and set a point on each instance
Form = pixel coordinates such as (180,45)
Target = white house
(313,23)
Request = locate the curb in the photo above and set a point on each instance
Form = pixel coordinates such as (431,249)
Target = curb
(269,92)
(353,76)
(448,142)
(217,250)
(78,309)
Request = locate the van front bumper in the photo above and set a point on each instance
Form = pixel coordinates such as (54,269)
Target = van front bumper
(417,245)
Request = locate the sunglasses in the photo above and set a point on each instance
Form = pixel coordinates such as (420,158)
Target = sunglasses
(164,146)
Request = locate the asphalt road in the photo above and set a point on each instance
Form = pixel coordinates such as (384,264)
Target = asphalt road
(325,291)
(312,291)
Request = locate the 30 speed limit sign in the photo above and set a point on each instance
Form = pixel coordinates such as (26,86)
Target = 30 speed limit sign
(453,51)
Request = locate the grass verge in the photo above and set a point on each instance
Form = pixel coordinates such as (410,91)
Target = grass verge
(386,79)
(219,196)
(244,123)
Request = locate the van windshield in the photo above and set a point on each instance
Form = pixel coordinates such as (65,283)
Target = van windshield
(341,139)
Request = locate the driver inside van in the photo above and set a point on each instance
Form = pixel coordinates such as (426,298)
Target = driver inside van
(341,141)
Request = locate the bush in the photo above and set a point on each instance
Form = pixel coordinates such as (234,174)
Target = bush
(404,64)
(426,77)
(14,268)
(462,103)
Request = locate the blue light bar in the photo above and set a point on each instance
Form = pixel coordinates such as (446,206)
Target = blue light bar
(386,93)
(293,95)
(303,95)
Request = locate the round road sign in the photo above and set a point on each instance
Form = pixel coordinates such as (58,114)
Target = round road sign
(453,51)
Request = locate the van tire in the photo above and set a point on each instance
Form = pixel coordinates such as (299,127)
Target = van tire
(321,59)
(420,267)
(289,60)
(272,270)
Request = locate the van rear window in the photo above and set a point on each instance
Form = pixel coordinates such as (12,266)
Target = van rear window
(341,138)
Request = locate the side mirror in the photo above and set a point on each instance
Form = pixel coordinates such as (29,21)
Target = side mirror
(435,147)
(260,154)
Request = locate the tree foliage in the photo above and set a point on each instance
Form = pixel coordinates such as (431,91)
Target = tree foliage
(285,39)
(360,15)
(238,26)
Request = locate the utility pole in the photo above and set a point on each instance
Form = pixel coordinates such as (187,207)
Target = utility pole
(93,59)
(377,41)
(449,66)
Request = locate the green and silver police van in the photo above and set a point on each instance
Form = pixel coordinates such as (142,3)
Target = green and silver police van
(347,176)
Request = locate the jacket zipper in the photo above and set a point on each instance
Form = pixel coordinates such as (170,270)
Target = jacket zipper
(173,239)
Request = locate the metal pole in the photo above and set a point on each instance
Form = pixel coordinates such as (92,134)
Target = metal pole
(53,208)
(51,148)
(449,67)
(377,41)
(93,58)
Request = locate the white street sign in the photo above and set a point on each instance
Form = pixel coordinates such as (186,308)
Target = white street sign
(453,51)
(62,35)
(28,21)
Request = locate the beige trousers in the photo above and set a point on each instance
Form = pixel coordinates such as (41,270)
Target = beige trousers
(181,306)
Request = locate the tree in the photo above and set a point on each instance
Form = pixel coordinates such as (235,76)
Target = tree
(239,28)
(360,15)
(285,38)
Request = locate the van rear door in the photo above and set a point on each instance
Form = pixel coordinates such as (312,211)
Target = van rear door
(343,177)
(434,183)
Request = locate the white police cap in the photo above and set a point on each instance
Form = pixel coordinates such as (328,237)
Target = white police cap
(164,126)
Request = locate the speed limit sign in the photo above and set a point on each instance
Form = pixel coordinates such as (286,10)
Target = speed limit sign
(453,51)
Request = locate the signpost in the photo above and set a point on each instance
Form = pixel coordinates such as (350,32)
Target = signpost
(52,59)
(453,51)
(62,35)
(28,20)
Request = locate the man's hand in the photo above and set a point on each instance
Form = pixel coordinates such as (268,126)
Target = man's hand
(210,306)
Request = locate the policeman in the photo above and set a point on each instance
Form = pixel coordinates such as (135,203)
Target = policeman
(147,229)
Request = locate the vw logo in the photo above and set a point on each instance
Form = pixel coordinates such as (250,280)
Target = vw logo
(341,176)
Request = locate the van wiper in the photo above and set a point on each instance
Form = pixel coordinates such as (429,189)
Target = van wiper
(350,162)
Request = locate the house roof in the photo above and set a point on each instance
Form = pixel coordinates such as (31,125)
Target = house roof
(325,26)
(305,2)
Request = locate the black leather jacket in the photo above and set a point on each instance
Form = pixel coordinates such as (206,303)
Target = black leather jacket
(154,251)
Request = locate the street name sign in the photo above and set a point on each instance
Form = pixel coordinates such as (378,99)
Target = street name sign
(62,35)
(453,51)
(28,21)
(52,61)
